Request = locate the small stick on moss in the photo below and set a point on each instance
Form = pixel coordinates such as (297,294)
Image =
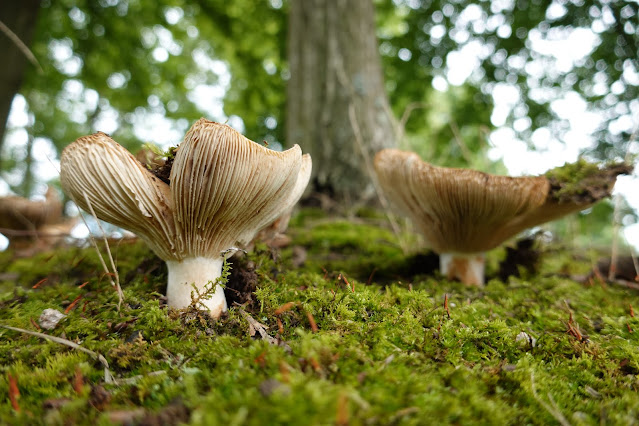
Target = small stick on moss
(78,381)
(72,305)
(261,359)
(285,371)
(446,305)
(280,326)
(312,322)
(316,365)
(342,417)
(36,285)
(343,278)
(629,329)
(255,326)
(108,377)
(14,392)
(632,311)
(34,324)
(599,277)
(370,277)
(285,307)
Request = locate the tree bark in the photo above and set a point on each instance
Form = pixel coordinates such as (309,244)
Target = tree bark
(337,109)
(20,17)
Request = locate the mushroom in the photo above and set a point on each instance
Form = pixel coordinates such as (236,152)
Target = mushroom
(32,226)
(223,189)
(463,213)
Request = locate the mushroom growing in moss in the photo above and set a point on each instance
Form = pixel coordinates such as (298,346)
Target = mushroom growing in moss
(463,213)
(223,188)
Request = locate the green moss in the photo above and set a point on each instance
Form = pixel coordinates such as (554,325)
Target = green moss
(583,182)
(386,352)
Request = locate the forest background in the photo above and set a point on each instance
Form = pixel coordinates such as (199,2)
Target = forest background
(494,85)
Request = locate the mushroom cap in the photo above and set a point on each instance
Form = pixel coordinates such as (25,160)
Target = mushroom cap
(224,189)
(98,171)
(18,213)
(462,210)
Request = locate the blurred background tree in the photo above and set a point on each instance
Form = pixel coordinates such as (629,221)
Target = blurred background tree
(460,76)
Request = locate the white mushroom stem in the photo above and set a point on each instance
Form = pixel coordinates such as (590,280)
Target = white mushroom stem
(201,272)
(467,268)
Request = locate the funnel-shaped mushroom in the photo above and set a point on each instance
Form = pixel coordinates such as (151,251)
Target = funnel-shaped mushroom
(464,213)
(223,189)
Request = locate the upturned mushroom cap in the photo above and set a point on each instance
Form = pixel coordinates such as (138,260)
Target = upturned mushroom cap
(100,175)
(224,188)
(465,211)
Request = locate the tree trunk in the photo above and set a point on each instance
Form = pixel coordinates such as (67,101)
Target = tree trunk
(337,110)
(20,17)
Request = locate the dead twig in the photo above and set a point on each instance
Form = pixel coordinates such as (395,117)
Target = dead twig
(342,416)
(72,304)
(21,46)
(14,392)
(257,327)
(36,285)
(343,278)
(285,307)
(446,305)
(116,283)
(312,322)
(108,377)
(573,327)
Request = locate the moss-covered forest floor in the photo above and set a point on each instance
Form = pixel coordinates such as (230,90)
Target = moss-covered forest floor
(338,327)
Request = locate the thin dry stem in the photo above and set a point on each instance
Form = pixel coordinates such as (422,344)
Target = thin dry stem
(401,126)
(116,283)
(108,377)
(23,47)
(462,146)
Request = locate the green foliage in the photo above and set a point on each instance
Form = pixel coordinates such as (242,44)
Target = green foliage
(198,297)
(386,352)
(426,32)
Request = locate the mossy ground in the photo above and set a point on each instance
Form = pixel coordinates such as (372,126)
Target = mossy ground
(385,349)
